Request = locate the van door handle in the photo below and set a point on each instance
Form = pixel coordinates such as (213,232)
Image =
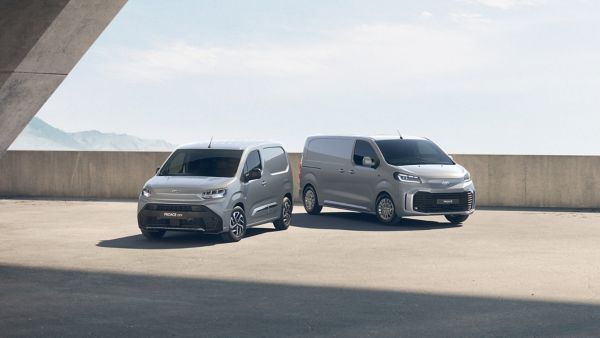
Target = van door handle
(263,182)
(341,171)
(351,171)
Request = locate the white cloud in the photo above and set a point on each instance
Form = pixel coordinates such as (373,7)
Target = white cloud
(469,18)
(363,53)
(509,4)
(181,58)
(425,15)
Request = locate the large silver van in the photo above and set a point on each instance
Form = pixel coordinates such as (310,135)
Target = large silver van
(218,187)
(390,176)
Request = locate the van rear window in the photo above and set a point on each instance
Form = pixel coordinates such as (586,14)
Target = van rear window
(202,162)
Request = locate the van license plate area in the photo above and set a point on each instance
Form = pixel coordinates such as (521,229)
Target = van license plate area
(447,201)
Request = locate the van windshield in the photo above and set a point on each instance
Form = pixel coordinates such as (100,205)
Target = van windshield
(412,152)
(202,162)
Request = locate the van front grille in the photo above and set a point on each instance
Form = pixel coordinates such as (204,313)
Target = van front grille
(189,217)
(427,202)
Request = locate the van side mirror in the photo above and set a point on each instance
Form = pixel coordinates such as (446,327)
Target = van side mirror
(368,162)
(157,169)
(253,174)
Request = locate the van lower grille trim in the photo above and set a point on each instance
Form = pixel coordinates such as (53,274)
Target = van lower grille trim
(427,202)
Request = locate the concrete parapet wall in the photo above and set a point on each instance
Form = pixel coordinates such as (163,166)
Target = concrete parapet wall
(535,181)
(532,181)
(76,174)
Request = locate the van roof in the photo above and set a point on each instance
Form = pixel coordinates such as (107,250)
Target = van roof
(374,137)
(395,137)
(229,144)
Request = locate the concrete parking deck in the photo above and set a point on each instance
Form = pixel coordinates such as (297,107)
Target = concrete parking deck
(81,268)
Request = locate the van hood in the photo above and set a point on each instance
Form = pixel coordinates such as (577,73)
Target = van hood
(186,184)
(435,171)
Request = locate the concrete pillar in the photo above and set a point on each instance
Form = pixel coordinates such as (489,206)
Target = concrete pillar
(40,42)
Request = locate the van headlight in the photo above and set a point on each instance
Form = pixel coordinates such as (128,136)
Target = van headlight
(214,194)
(146,192)
(402,177)
(467,177)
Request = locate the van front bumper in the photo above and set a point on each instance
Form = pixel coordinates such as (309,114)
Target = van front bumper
(426,200)
(179,217)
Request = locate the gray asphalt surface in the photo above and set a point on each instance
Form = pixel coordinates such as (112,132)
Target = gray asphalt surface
(81,269)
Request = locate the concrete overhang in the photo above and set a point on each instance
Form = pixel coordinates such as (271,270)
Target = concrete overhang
(40,43)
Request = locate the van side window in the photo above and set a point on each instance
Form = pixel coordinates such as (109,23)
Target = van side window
(362,149)
(275,159)
(252,162)
(331,150)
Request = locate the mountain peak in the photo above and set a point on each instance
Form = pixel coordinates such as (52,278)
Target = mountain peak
(40,135)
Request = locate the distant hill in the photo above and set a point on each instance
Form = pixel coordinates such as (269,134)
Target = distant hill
(39,135)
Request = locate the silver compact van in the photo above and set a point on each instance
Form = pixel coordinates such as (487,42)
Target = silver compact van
(218,187)
(389,176)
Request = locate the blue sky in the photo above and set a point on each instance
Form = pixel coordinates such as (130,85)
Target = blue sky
(476,76)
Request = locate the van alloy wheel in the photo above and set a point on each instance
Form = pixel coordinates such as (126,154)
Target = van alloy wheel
(311,201)
(287,211)
(237,222)
(285,219)
(386,212)
(237,226)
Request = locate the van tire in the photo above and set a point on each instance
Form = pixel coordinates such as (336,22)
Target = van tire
(153,234)
(311,205)
(237,226)
(385,210)
(456,219)
(285,216)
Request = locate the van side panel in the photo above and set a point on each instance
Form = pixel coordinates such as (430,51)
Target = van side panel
(364,182)
(256,192)
(278,176)
(325,161)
